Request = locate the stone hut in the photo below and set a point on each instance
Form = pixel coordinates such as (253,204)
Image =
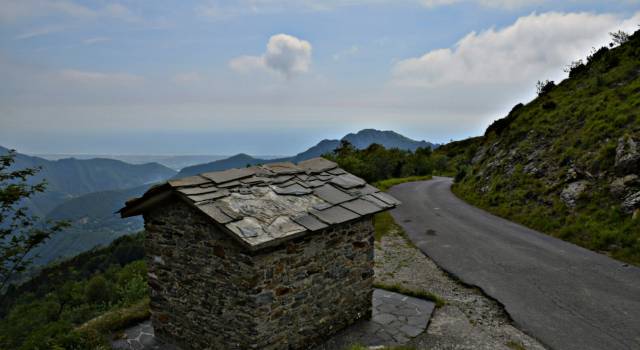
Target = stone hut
(278,256)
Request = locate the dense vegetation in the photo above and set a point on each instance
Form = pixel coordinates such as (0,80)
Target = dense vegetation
(50,310)
(376,163)
(552,164)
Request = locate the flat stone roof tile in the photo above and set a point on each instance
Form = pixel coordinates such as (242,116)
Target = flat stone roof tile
(315,183)
(371,198)
(224,207)
(266,205)
(189,181)
(220,177)
(317,165)
(331,194)
(230,184)
(310,222)
(337,171)
(386,198)
(362,207)
(209,196)
(284,168)
(283,226)
(197,190)
(334,215)
(247,227)
(364,190)
(324,176)
(214,212)
(255,179)
(294,189)
(281,179)
(347,181)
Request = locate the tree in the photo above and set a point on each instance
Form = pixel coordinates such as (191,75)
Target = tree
(619,38)
(20,232)
(544,87)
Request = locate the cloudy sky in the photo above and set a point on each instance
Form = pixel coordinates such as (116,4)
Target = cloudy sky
(276,76)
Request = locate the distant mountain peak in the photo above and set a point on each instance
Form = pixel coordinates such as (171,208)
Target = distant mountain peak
(361,139)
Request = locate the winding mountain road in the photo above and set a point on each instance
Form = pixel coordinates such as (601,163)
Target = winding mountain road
(565,296)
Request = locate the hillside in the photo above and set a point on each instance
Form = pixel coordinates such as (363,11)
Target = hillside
(176,162)
(93,223)
(46,311)
(92,214)
(567,163)
(361,140)
(69,178)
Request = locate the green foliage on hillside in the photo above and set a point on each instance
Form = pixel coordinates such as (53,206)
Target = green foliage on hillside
(48,311)
(526,164)
(376,163)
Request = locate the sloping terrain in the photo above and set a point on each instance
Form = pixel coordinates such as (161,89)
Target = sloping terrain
(94,222)
(69,178)
(568,163)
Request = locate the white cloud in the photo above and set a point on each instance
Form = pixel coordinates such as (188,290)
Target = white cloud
(16,10)
(95,40)
(37,32)
(285,54)
(98,78)
(537,46)
(221,10)
(508,4)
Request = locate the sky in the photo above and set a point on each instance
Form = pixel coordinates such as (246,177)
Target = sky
(277,76)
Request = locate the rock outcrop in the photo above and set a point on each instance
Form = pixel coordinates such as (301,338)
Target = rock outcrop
(627,156)
(622,186)
(573,191)
(631,203)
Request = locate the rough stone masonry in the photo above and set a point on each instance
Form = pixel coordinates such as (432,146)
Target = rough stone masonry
(281,259)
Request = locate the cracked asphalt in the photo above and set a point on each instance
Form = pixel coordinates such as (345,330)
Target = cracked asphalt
(565,296)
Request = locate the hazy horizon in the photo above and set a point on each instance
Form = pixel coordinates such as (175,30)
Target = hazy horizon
(277,76)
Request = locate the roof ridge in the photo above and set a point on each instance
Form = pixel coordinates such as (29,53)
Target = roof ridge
(264,205)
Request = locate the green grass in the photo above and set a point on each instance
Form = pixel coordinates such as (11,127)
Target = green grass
(589,113)
(384,185)
(420,294)
(96,332)
(515,345)
(385,225)
(384,222)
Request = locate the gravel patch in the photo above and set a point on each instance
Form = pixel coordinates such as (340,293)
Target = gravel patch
(469,320)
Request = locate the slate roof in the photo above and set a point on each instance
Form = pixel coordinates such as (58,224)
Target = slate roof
(269,204)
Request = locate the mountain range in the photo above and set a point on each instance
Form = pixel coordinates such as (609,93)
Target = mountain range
(362,139)
(87,192)
(70,178)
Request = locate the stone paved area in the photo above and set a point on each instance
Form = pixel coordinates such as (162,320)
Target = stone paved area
(140,337)
(396,319)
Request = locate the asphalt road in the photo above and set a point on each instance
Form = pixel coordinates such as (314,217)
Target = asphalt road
(565,296)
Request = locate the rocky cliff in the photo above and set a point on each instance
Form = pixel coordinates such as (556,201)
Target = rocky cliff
(568,163)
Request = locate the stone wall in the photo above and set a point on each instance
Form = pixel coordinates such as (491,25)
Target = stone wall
(199,279)
(313,287)
(208,292)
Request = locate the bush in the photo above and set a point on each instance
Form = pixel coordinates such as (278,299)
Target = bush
(544,87)
(549,105)
(98,290)
(500,125)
